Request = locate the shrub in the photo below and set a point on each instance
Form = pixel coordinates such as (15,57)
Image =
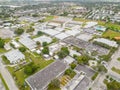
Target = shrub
(19,31)
(22,49)
(72,65)
(2,43)
(94,76)
(45,50)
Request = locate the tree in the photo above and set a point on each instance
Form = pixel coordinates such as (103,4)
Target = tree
(65,14)
(30,29)
(30,69)
(38,43)
(35,15)
(39,33)
(2,43)
(114,85)
(105,57)
(44,44)
(19,31)
(63,53)
(70,72)
(22,49)
(101,68)
(41,21)
(83,59)
(72,65)
(54,84)
(45,50)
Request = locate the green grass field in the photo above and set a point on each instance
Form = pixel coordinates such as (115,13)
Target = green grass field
(49,18)
(111,34)
(2,50)
(116,70)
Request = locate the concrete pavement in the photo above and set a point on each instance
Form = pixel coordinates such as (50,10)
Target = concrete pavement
(98,83)
(7,77)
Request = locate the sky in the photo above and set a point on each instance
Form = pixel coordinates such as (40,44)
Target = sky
(63,0)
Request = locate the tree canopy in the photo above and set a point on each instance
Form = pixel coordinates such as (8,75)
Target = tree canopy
(54,84)
(44,44)
(2,43)
(45,50)
(30,29)
(30,69)
(114,85)
(22,49)
(19,31)
(63,53)
(82,59)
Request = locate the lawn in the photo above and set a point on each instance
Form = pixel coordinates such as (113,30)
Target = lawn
(81,19)
(54,89)
(118,59)
(2,50)
(49,18)
(111,34)
(20,76)
(7,40)
(38,60)
(116,70)
(112,26)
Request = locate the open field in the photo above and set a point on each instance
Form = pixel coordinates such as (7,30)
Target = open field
(112,26)
(48,18)
(111,34)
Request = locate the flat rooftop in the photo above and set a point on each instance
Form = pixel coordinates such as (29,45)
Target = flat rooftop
(107,42)
(89,47)
(14,56)
(72,32)
(51,32)
(41,79)
(43,38)
(85,37)
(28,42)
(62,36)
